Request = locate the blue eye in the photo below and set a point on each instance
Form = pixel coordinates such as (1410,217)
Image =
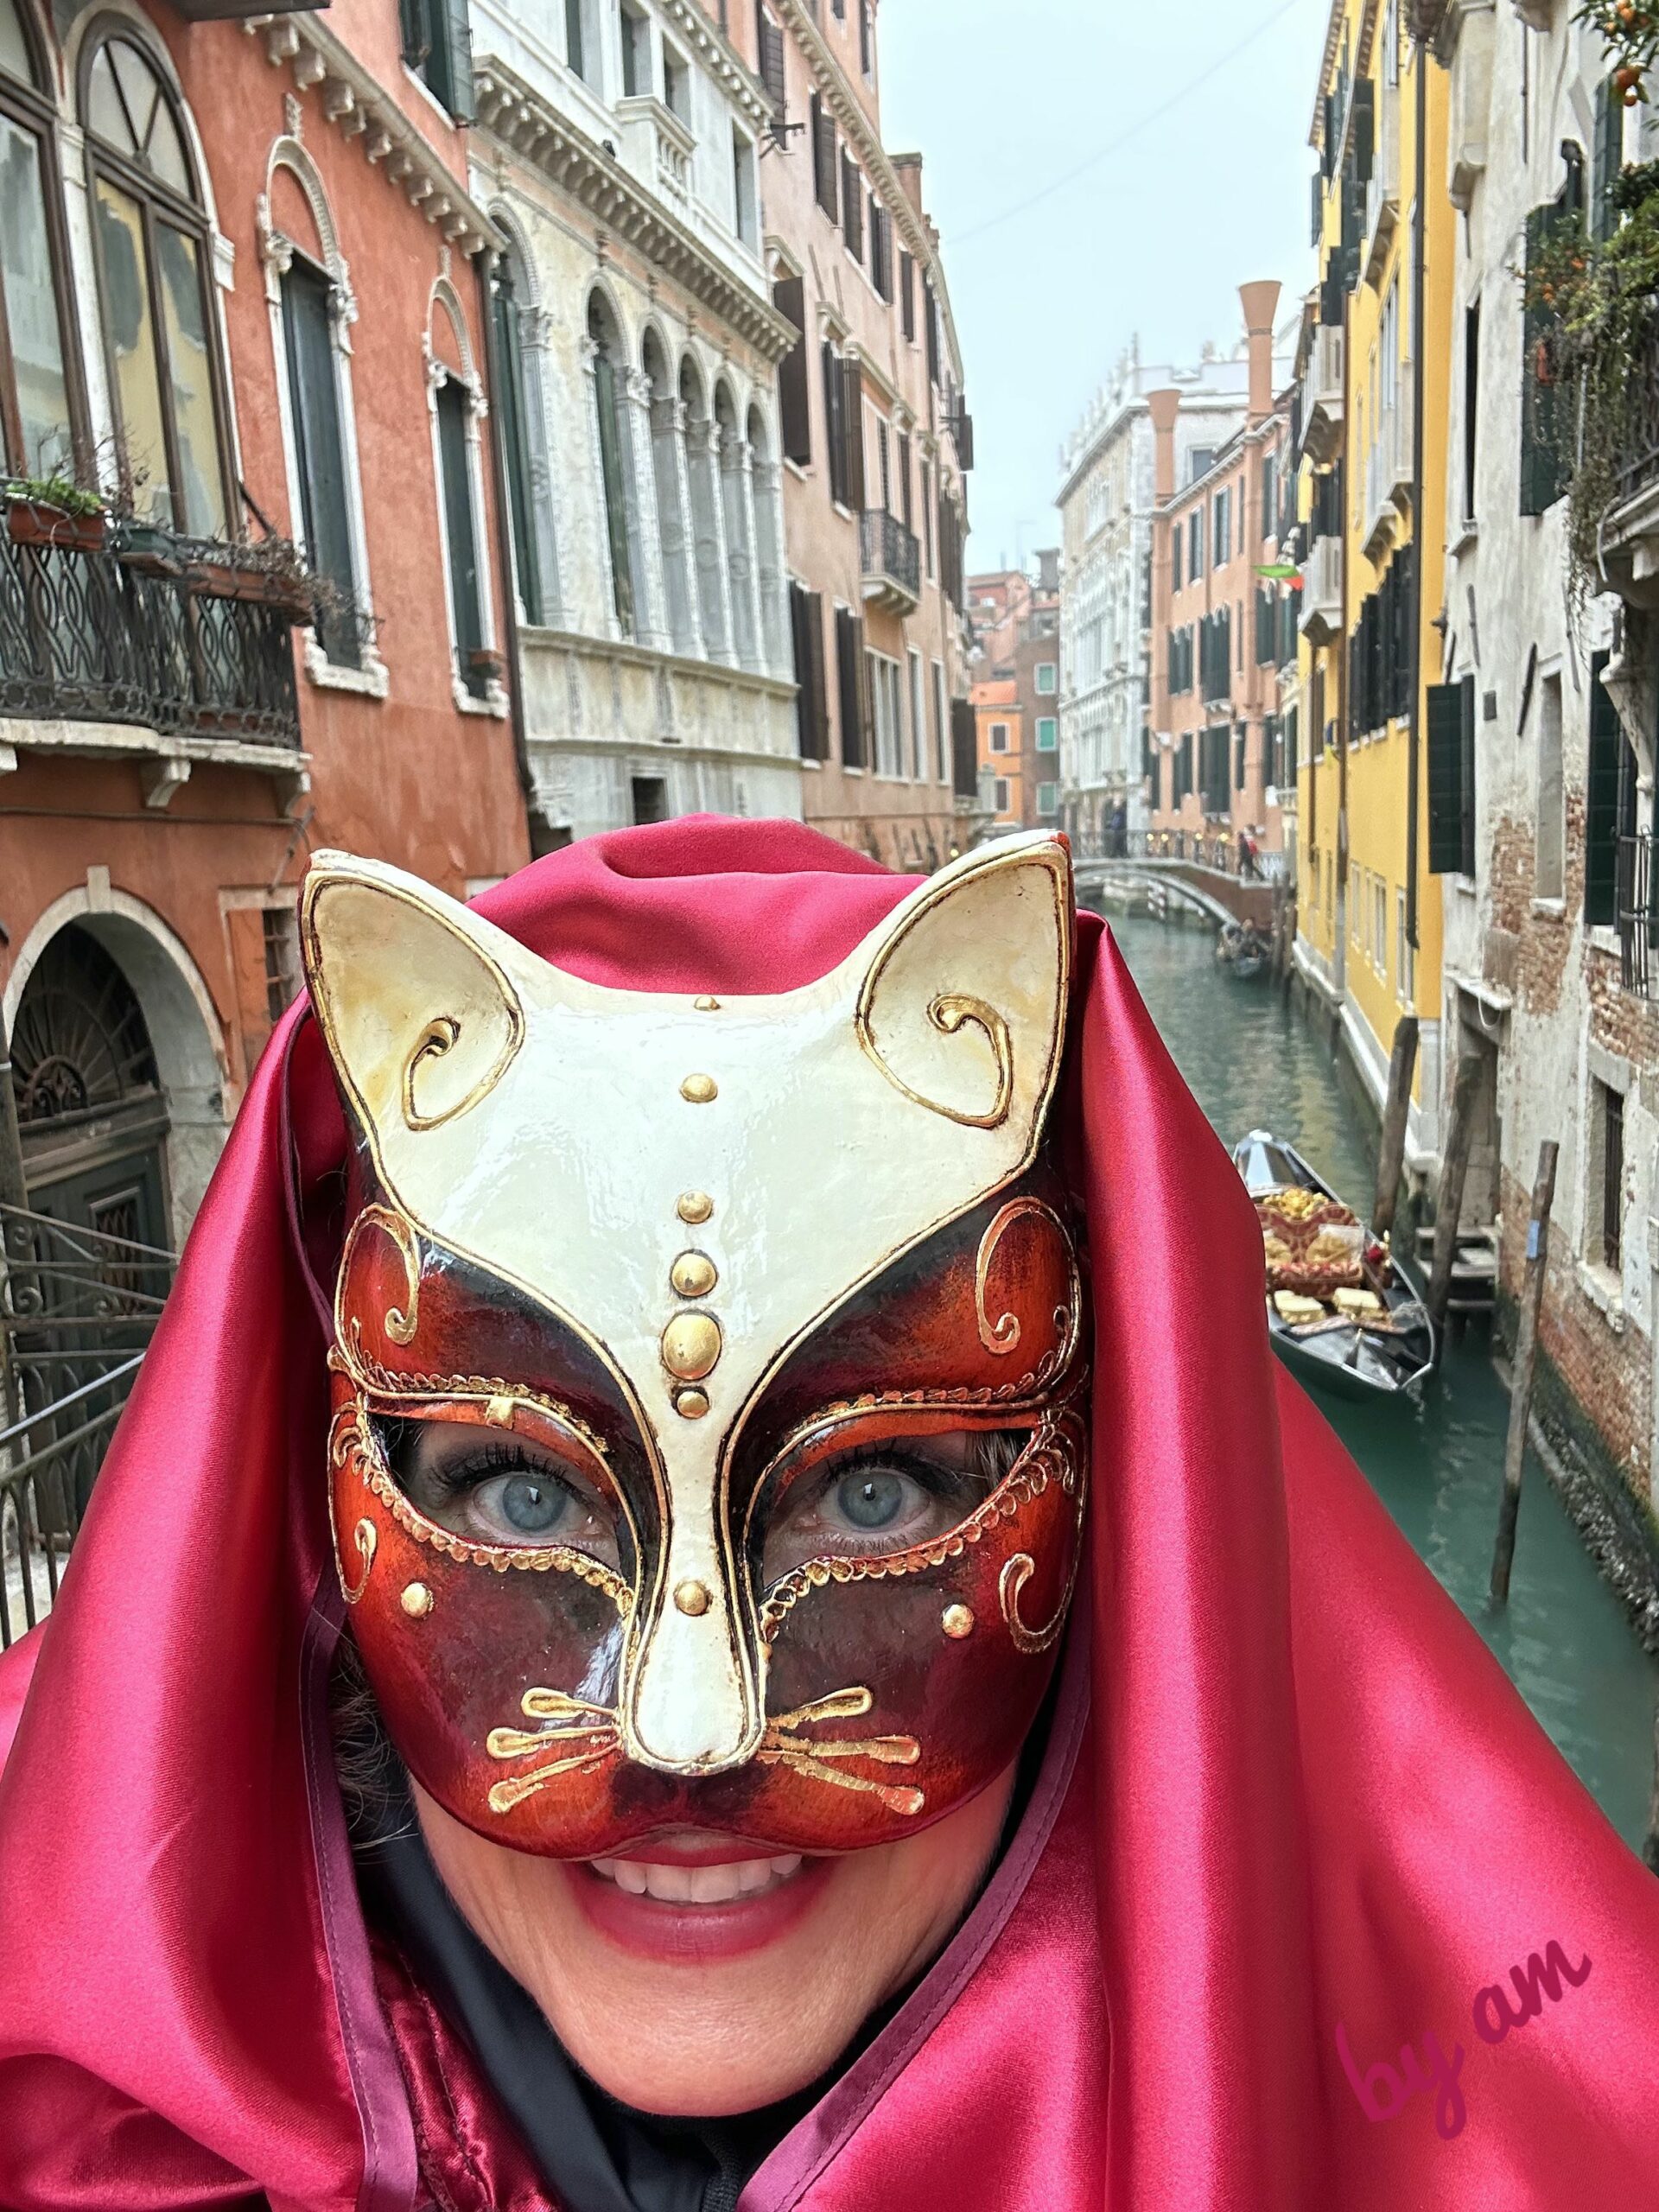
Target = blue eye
(533,1505)
(871,1497)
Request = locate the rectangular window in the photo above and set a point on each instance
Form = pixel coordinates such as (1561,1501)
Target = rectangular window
(1550,865)
(941,726)
(927,519)
(880,248)
(1607,1152)
(1452,777)
(676,84)
(866,42)
(789,297)
(466,604)
(280,931)
(33,394)
(769,51)
(745,216)
(1470,406)
(1195,545)
(1545,428)
(319,454)
(1610,801)
(852,207)
(907,295)
(1221,538)
(826,159)
(575,40)
(1001,794)
(437,43)
(1241,742)
(918,718)
(650,795)
(998,737)
(811,700)
(1048,734)
(1048,801)
(636,52)
(1048,679)
(851,675)
(1176,543)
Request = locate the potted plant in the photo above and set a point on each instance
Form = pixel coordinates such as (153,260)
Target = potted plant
(266,572)
(53,511)
(486,662)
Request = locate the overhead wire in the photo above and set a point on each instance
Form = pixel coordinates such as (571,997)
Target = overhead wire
(1190,85)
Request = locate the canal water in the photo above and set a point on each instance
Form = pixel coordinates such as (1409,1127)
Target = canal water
(1252,1061)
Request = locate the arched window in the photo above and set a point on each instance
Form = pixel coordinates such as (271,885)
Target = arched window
(703,468)
(668,478)
(36,332)
(610,364)
(521,427)
(154,299)
(739,551)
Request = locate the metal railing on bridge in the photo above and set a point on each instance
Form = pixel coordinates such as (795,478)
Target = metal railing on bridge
(1218,850)
(78,1308)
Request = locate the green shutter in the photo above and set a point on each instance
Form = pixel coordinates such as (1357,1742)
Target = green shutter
(1544,418)
(1609,158)
(454,83)
(1446,801)
(1601,806)
(314,405)
(464,605)
(512,428)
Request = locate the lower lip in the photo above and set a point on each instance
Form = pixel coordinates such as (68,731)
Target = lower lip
(688,1934)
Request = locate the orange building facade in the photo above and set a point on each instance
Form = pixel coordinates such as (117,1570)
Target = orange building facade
(249,309)
(1221,631)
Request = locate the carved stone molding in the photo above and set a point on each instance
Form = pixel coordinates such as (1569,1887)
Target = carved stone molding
(358,106)
(552,143)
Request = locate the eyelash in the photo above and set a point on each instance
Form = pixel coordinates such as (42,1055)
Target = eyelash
(486,1460)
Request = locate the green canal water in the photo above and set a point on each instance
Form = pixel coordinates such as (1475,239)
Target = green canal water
(1438,1467)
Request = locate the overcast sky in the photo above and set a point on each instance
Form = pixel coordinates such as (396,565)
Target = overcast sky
(1200,184)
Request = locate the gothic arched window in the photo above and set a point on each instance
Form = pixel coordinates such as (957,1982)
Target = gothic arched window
(36,324)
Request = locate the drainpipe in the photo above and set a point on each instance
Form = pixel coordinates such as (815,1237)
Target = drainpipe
(484,263)
(1339,964)
(1418,379)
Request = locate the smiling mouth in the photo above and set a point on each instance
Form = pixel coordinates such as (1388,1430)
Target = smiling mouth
(738,1879)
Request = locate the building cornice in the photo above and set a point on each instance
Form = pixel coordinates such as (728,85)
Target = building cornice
(359,105)
(551,142)
(721,59)
(843,102)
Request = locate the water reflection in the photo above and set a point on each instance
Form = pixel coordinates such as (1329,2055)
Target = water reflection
(1438,1467)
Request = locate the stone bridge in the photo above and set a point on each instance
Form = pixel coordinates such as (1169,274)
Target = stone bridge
(1222,897)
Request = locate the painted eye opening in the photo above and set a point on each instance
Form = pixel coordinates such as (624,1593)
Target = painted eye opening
(883,1495)
(511,1492)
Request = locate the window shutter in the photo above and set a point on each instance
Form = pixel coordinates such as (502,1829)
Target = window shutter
(818,685)
(1444,779)
(1543,471)
(933,310)
(849,684)
(315,407)
(834,441)
(1317,182)
(865,663)
(1601,810)
(460,100)
(852,405)
(907,291)
(1609,158)
(1328,145)
(789,297)
(769,48)
(825,158)
(906,501)
(1363,141)
(964,749)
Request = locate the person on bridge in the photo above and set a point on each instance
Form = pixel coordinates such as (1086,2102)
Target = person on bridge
(711,1597)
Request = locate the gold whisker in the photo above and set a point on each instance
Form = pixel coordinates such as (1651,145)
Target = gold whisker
(520,1743)
(886,1750)
(555,1705)
(909,1802)
(840,1705)
(505,1795)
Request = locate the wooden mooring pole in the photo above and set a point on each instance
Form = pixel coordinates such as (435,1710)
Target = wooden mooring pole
(1650,1849)
(1526,1351)
(1454,1169)
(1391,1156)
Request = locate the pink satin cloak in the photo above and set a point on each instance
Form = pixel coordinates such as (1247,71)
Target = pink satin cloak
(1305,1797)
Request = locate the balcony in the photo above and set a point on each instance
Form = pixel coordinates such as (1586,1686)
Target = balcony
(1320,621)
(140,641)
(1637,915)
(1322,395)
(1388,474)
(1629,536)
(1382,192)
(890,563)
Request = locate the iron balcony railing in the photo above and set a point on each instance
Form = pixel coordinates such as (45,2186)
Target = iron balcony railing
(179,636)
(78,1309)
(1639,466)
(1638,922)
(888,553)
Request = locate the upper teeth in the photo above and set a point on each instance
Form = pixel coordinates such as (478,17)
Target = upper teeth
(697,1884)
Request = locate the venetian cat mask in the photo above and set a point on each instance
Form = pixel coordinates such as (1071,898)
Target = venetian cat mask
(706,1448)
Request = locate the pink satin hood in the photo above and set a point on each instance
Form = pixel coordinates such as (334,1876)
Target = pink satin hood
(1308,1815)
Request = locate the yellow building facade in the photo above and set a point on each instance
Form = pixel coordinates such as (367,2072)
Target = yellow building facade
(1374,361)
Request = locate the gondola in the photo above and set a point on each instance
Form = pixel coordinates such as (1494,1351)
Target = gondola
(1379,1354)
(1241,952)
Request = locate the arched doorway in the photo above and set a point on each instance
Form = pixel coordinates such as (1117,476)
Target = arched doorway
(90,1105)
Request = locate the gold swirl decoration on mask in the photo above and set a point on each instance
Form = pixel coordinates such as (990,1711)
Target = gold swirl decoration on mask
(365,1537)
(1002,1336)
(949,1013)
(1016,1572)
(399,1322)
